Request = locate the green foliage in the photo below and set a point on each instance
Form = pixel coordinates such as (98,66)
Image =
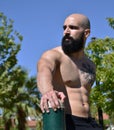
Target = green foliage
(8,50)
(8,46)
(111,22)
(19,96)
(101,51)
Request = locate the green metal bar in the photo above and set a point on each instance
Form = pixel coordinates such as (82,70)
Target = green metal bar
(54,120)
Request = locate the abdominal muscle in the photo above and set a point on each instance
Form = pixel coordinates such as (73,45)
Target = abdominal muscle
(78,104)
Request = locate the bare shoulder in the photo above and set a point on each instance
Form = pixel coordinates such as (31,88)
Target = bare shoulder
(89,65)
(51,55)
(54,53)
(92,64)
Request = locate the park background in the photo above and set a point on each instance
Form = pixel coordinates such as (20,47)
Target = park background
(40,23)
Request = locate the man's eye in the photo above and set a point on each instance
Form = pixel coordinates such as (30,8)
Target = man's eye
(64,27)
(73,27)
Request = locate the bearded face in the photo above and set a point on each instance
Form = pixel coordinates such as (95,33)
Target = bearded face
(71,45)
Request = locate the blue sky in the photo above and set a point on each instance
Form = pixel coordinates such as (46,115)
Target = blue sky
(40,23)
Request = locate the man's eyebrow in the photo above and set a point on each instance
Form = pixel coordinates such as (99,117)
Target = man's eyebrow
(71,26)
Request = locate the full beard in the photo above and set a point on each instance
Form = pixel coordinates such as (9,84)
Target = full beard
(70,45)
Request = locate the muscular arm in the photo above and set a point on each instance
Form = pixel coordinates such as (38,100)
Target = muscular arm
(46,67)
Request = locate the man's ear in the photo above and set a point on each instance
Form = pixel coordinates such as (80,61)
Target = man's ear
(87,33)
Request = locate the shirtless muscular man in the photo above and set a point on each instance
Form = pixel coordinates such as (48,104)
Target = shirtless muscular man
(66,73)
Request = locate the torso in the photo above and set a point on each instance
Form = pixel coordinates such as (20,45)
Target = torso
(75,79)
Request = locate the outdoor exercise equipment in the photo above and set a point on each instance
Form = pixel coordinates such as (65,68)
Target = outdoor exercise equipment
(54,120)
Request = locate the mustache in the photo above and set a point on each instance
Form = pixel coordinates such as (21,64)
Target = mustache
(67,37)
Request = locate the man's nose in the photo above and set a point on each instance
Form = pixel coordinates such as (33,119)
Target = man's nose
(67,31)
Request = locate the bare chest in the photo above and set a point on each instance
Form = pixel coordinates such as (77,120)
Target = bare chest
(76,75)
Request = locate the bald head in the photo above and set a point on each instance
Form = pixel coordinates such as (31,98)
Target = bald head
(81,19)
(76,30)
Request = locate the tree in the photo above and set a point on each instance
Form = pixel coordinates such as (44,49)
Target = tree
(111,22)
(101,51)
(18,95)
(8,52)
(21,100)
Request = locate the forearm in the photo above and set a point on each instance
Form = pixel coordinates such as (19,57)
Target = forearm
(46,70)
(44,81)
(45,86)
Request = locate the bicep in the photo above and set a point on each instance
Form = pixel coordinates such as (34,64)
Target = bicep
(46,67)
(46,63)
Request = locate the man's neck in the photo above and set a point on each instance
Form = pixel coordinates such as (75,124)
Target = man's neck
(77,55)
